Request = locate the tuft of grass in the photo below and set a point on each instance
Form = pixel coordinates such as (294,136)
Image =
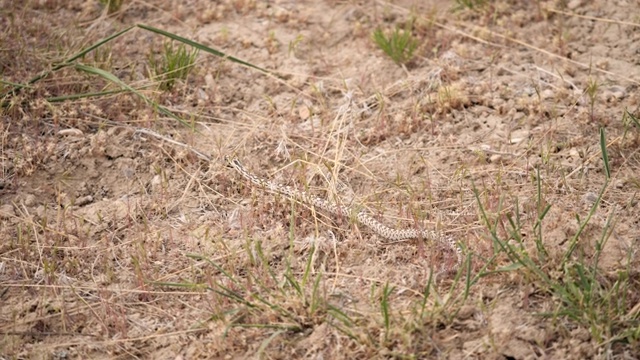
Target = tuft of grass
(592,92)
(601,303)
(297,303)
(629,121)
(112,5)
(399,45)
(174,64)
(293,44)
(470,4)
(9,92)
(103,57)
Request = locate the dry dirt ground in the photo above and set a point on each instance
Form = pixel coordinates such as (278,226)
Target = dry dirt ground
(120,244)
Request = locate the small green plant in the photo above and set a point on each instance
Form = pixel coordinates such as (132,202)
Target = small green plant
(601,304)
(102,57)
(399,44)
(293,44)
(175,63)
(592,93)
(272,42)
(629,120)
(384,308)
(112,5)
(470,4)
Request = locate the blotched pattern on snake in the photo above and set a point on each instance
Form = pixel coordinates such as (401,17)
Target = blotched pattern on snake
(361,216)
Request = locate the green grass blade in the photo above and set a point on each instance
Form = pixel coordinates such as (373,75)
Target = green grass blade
(106,75)
(193,286)
(522,259)
(67,62)
(425,294)
(633,118)
(291,280)
(114,79)
(263,346)
(316,300)
(287,327)
(384,306)
(84,52)
(232,295)
(83,96)
(15,85)
(467,285)
(605,157)
(308,265)
(218,267)
(574,241)
(202,47)
(343,318)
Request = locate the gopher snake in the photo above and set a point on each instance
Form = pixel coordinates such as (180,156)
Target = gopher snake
(361,216)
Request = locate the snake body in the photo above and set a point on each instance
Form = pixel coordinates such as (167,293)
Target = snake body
(361,216)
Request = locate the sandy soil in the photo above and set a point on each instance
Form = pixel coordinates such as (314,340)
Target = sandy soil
(118,244)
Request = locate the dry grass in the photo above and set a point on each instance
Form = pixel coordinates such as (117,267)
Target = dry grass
(120,244)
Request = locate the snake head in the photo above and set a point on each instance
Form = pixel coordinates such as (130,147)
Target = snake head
(228,161)
(232,162)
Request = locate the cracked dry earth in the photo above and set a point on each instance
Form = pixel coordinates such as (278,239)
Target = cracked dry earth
(117,244)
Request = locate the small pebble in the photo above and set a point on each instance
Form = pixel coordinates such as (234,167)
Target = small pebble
(547,94)
(84,200)
(30,200)
(7,212)
(573,4)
